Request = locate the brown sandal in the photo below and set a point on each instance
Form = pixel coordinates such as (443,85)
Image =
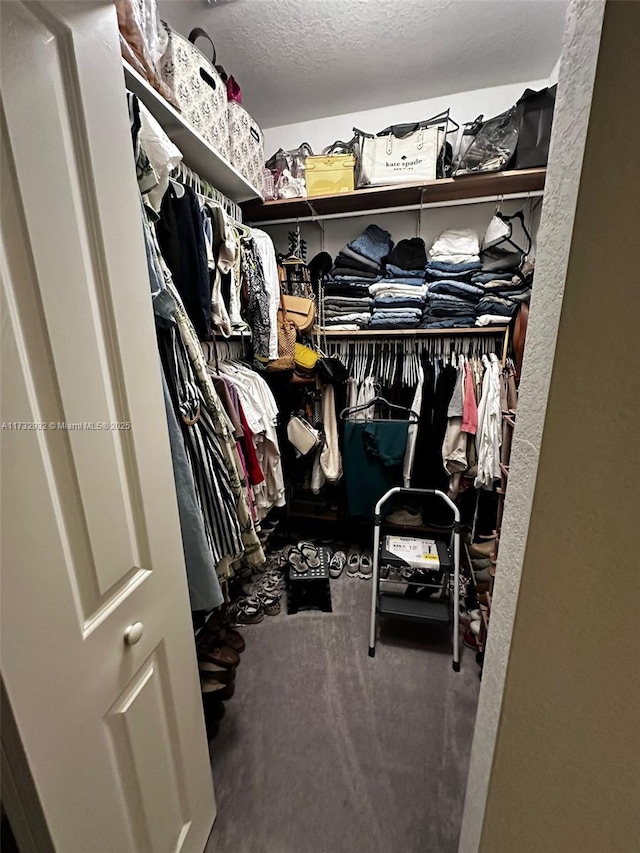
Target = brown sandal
(211,650)
(230,636)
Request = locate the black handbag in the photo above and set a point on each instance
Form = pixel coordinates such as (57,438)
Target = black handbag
(536,118)
(331,371)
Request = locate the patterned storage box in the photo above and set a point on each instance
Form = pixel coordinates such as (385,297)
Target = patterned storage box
(246,145)
(198,88)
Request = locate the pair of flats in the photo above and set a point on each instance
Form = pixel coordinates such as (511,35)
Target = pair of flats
(359,563)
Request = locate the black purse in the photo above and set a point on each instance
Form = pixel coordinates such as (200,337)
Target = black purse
(331,371)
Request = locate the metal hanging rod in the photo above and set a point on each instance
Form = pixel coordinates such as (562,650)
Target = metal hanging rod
(204,188)
(377,211)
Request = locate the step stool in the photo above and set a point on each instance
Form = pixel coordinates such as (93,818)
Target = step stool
(312,590)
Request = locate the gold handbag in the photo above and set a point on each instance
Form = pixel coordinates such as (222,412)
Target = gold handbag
(305,358)
(300,311)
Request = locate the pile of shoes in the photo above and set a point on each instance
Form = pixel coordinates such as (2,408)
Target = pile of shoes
(473,631)
(482,556)
(261,594)
(306,555)
(219,647)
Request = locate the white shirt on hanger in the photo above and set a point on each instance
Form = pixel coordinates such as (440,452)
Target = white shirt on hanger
(488,436)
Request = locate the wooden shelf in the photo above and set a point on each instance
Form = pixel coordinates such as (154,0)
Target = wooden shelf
(445,190)
(198,154)
(371,333)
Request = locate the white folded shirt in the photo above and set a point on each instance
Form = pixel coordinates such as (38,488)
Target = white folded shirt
(455,241)
(492,320)
(455,259)
(382,288)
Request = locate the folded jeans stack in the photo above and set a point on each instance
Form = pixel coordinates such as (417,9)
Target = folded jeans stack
(452,298)
(506,281)
(346,302)
(397,303)
(356,267)
(339,310)
(396,318)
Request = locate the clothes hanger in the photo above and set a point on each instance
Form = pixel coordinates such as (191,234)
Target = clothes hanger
(508,220)
(178,188)
(380,401)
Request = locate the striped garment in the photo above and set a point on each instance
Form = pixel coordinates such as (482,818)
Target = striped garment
(213,487)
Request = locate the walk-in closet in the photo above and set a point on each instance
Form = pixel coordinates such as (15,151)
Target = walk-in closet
(316,362)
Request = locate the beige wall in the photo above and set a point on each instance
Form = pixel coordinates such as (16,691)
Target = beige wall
(566,768)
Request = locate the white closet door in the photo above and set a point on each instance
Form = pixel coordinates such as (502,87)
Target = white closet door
(113,732)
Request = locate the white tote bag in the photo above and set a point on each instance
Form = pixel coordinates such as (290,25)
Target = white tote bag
(390,159)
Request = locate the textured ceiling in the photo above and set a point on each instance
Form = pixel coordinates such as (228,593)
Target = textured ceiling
(304,59)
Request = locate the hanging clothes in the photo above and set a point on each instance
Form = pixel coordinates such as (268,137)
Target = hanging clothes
(201,442)
(258,300)
(163,157)
(253,553)
(412,433)
(261,412)
(204,587)
(330,457)
(200,562)
(373,456)
(180,232)
(488,436)
(271,284)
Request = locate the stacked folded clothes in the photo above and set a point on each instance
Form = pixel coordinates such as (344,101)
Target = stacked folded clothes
(399,298)
(398,302)
(339,310)
(408,257)
(456,246)
(506,282)
(357,266)
(362,257)
(452,297)
(456,284)
(468,286)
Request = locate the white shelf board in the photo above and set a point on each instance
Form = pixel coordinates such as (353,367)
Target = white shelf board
(198,154)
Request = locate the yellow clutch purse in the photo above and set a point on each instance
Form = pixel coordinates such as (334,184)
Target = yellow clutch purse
(304,357)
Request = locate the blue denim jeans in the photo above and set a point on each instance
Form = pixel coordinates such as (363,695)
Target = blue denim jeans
(374,243)
(461,289)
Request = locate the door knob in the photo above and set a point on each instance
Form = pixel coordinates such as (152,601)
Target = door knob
(133,633)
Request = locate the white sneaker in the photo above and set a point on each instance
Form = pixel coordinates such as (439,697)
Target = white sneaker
(353,562)
(337,564)
(366,565)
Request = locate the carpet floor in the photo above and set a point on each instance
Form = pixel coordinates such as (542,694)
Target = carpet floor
(326,750)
